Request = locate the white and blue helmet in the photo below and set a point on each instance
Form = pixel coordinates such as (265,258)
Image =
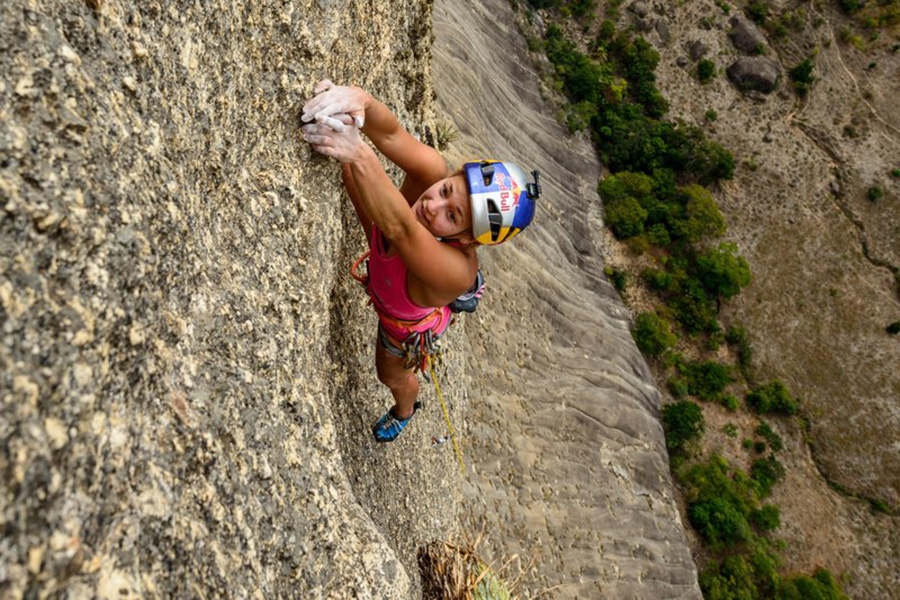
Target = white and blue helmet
(503,200)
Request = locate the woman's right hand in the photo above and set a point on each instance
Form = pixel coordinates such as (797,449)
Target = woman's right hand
(343,144)
(330,100)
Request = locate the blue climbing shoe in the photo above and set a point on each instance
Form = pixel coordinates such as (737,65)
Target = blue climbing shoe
(389,427)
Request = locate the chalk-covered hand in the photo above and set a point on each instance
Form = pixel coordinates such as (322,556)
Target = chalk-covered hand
(343,144)
(331,100)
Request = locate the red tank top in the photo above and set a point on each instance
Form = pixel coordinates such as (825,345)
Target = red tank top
(387,288)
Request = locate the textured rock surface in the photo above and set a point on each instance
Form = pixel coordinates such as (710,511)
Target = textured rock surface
(754,73)
(569,459)
(187,383)
(745,35)
(172,277)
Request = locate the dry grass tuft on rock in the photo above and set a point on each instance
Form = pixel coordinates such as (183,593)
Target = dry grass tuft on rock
(456,572)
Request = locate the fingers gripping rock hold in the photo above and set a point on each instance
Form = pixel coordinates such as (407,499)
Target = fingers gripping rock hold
(335,137)
(331,100)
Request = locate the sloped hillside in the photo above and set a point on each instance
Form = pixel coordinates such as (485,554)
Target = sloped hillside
(824,256)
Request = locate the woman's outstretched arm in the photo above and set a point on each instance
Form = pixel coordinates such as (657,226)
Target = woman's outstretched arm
(443,270)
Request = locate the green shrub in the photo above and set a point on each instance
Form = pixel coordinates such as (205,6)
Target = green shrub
(766,472)
(652,334)
(711,115)
(625,218)
(637,60)
(582,78)
(850,6)
(606,33)
(765,431)
(730,403)
(658,235)
(707,379)
(618,277)
(693,307)
(772,398)
(875,193)
(683,422)
(737,338)
(758,11)
(821,586)
(580,8)
(893,328)
(626,197)
(658,280)
(715,479)
(719,522)
(730,579)
(677,386)
(714,341)
(702,217)
(702,159)
(767,518)
(706,70)
(802,76)
(722,271)
(895,173)
(579,116)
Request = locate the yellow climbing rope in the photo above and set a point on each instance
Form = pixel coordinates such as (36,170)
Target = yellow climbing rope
(437,388)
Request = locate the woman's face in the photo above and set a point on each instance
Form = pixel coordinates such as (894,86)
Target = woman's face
(444,208)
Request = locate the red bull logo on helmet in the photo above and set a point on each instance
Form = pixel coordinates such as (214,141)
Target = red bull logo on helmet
(509,198)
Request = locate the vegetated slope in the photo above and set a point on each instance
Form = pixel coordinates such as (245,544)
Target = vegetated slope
(176,365)
(823,254)
(569,462)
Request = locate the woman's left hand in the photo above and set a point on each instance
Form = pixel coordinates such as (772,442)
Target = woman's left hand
(344,145)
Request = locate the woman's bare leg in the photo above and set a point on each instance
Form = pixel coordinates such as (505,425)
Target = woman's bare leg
(403,383)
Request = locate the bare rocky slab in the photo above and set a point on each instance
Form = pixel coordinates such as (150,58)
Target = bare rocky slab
(570,466)
(169,255)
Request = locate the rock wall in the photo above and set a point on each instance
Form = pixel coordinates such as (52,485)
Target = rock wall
(570,469)
(187,383)
(168,258)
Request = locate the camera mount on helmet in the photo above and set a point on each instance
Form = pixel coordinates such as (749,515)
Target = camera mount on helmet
(534,189)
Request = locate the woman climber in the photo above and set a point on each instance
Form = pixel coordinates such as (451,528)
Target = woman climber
(422,236)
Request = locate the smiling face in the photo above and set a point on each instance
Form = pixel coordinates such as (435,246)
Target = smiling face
(444,209)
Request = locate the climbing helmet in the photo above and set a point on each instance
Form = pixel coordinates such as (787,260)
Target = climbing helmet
(503,200)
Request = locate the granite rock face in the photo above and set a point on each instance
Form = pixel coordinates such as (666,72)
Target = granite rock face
(169,251)
(569,462)
(187,383)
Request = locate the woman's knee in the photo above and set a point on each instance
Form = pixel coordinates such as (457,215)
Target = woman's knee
(395,379)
